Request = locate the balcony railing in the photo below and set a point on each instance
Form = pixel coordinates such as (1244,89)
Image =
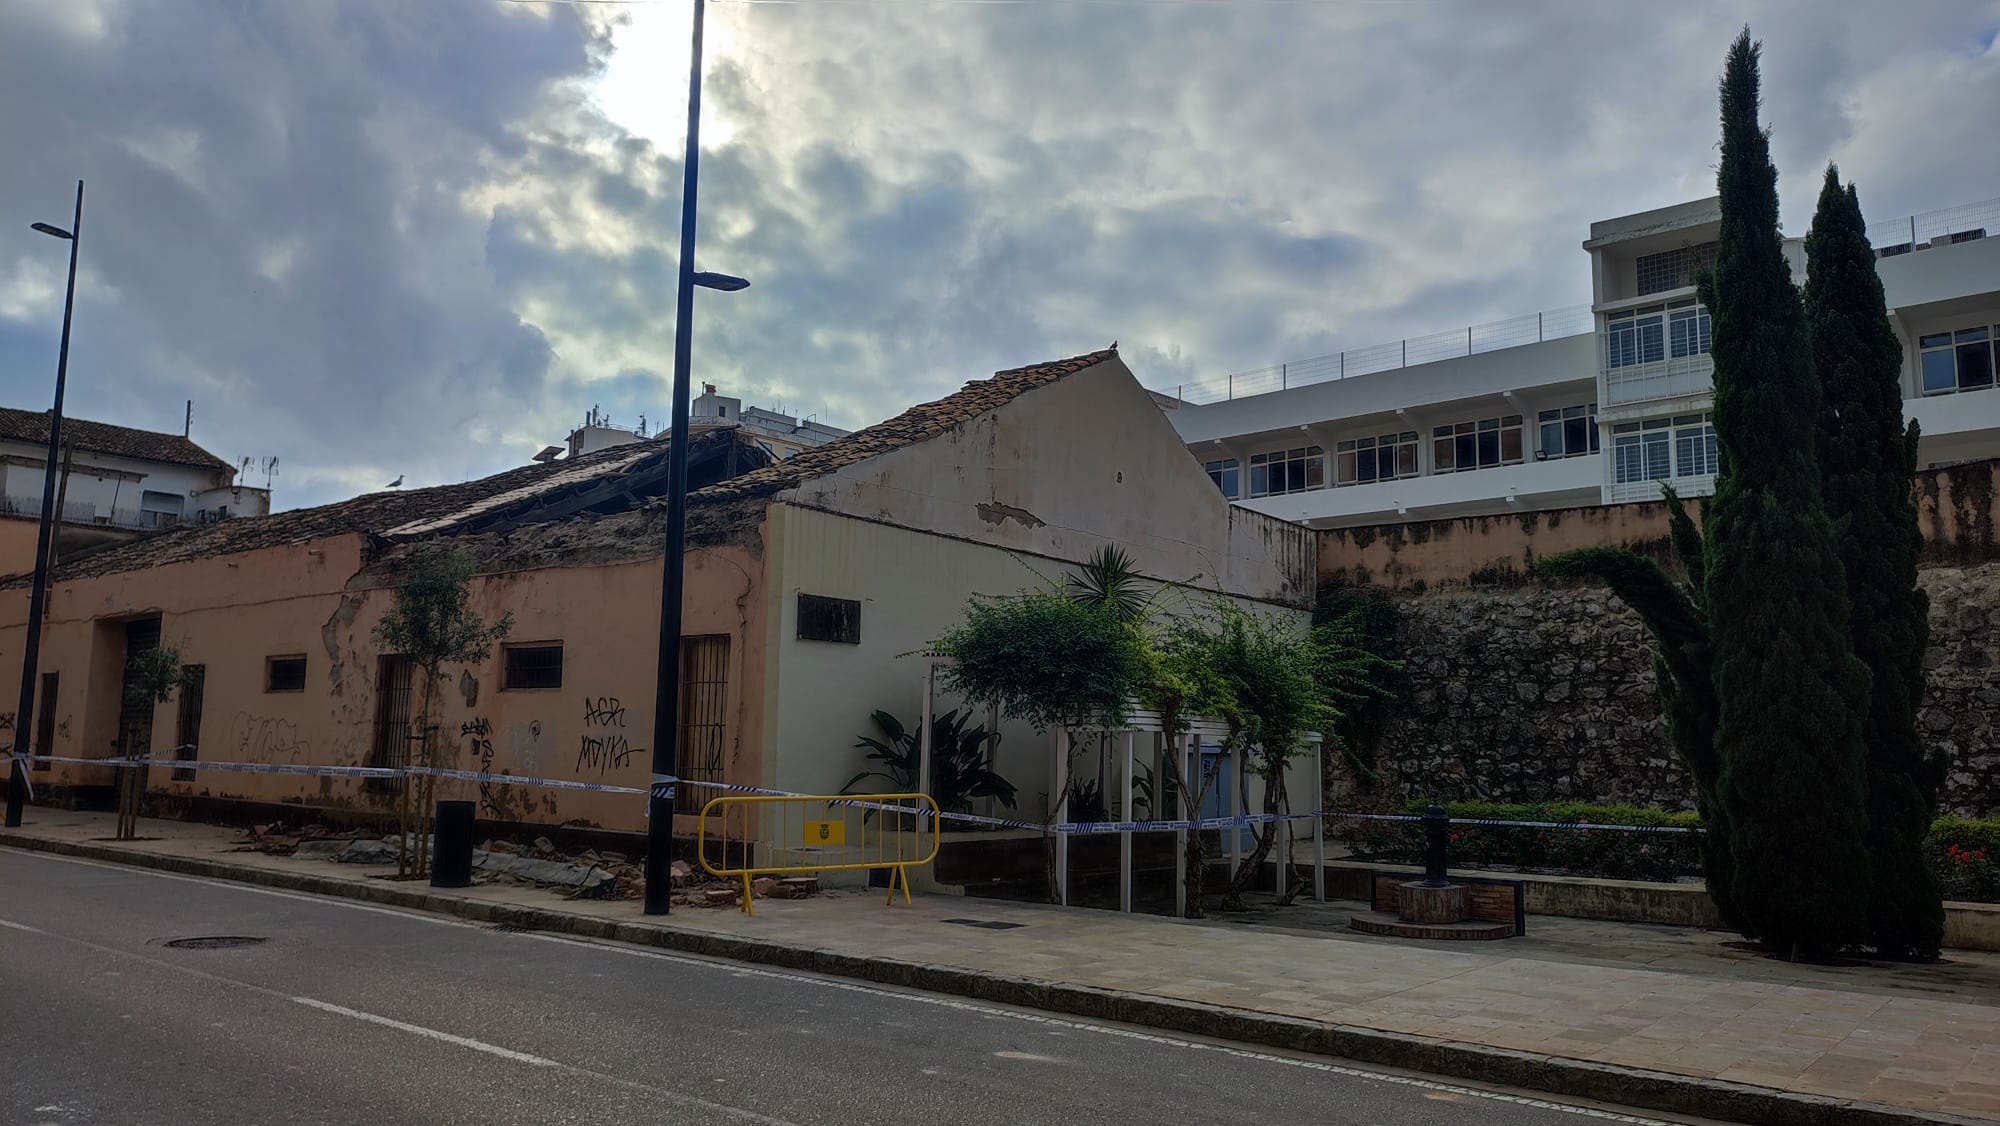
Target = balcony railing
(1554,324)
(1629,491)
(1664,378)
(85,512)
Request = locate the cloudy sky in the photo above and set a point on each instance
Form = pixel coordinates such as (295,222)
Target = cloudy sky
(422,237)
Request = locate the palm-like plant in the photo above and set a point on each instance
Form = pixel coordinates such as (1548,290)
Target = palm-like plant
(1110,579)
(961,761)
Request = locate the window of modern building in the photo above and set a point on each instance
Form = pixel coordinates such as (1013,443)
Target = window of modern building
(1476,445)
(1227,475)
(531,666)
(1568,431)
(1694,445)
(1672,269)
(1688,331)
(284,674)
(1958,361)
(1649,335)
(1386,457)
(1642,451)
(1287,471)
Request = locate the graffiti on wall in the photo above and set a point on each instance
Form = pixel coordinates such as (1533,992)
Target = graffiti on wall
(257,738)
(478,734)
(603,746)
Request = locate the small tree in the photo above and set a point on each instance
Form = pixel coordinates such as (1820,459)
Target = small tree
(1790,693)
(153,675)
(1867,458)
(432,622)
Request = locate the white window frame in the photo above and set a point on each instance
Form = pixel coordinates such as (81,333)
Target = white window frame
(1470,435)
(1401,450)
(1227,473)
(1311,461)
(1953,345)
(1560,418)
(1694,445)
(1651,451)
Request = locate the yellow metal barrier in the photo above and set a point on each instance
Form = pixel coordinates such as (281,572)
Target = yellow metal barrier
(794,835)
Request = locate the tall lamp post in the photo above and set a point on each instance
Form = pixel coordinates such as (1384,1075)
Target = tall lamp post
(17,777)
(666,688)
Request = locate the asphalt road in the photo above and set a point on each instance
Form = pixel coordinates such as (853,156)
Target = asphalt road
(349,1013)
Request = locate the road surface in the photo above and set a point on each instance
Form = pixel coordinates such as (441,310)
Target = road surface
(351,1013)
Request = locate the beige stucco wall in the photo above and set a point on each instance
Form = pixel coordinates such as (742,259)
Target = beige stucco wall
(1956,509)
(1067,468)
(230,614)
(912,587)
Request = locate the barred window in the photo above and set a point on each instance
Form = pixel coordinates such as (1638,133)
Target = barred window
(532,666)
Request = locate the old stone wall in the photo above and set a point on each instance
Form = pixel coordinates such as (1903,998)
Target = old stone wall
(1535,693)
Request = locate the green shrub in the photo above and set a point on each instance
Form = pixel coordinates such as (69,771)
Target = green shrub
(1963,854)
(1608,853)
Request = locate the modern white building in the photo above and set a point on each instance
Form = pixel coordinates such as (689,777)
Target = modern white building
(781,434)
(1587,405)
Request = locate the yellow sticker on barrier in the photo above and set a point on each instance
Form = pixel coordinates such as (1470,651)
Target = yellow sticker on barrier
(826,833)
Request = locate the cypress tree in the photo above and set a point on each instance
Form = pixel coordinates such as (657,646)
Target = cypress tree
(1790,693)
(1867,456)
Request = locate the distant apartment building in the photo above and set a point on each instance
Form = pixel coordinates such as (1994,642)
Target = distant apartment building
(1589,405)
(778,433)
(113,482)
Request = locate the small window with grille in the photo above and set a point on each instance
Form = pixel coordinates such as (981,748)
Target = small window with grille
(531,666)
(829,619)
(284,674)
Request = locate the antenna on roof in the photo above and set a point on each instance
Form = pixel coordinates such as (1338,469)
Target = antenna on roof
(270,470)
(187,427)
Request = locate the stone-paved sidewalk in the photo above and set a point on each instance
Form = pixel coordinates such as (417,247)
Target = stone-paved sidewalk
(1654,1017)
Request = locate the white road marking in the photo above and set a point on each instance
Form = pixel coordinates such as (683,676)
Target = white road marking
(420,1030)
(739,970)
(1108,1030)
(18,927)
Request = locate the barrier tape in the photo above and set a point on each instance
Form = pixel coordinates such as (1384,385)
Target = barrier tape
(663,786)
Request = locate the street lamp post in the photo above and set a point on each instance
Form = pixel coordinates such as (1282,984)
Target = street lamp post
(666,686)
(17,777)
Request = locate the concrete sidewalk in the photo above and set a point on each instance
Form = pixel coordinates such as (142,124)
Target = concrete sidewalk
(1658,1018)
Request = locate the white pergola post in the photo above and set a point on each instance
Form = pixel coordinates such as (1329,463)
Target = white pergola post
(1319,823)
(924,731)
(1060,797)
(1125,837)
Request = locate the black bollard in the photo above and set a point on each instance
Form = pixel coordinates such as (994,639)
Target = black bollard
(451,858)
(1437,837)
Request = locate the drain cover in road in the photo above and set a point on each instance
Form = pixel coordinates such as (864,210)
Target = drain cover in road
(215,942)
(986,924)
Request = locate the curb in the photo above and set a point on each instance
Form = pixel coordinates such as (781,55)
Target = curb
(1623,1086)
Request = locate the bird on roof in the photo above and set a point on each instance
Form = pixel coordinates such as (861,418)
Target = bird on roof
(396,484)
(1113,348)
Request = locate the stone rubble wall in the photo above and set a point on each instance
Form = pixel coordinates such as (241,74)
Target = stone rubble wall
(1546,693)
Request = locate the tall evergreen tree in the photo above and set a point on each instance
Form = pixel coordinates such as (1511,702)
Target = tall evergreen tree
(1867,456)
(1790,693)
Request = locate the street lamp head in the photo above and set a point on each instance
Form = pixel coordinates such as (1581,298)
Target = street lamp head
(58,232)
(727,283)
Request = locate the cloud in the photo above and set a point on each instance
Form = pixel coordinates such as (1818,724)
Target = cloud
(380,237)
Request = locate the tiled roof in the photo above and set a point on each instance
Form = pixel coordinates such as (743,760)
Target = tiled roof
(370,513)
(444,507)
(103,438)
(921,422)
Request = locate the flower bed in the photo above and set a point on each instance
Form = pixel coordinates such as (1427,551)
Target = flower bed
(1965,858)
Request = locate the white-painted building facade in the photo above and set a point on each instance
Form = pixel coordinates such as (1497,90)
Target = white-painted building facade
(119,477)
(1581,406)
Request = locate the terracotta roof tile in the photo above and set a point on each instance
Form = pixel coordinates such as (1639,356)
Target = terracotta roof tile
(926,420)
(104,438)
(378,513)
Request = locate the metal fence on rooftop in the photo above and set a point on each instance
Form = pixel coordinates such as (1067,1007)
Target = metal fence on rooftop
(1553,324)
(1966,221)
